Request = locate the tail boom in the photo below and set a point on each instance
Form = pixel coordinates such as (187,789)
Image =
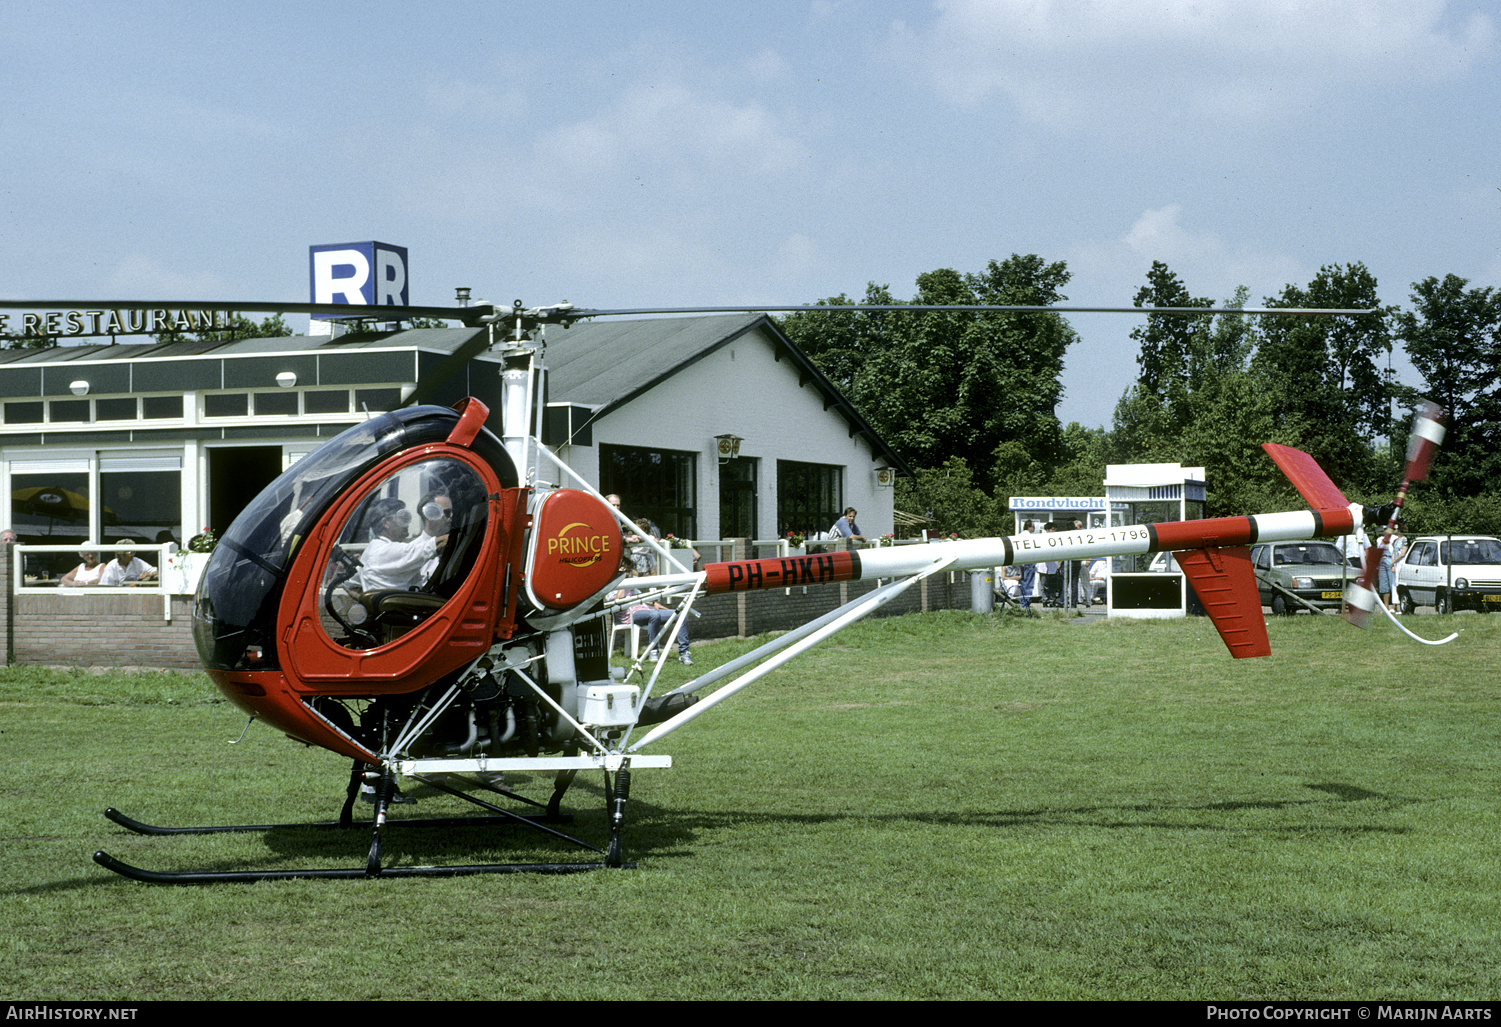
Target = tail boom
(970,554)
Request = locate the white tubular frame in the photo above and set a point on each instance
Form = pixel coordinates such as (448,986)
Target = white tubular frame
(803,639)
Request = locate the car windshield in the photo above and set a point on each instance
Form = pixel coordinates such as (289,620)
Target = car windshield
(1309,552)
(1472,552)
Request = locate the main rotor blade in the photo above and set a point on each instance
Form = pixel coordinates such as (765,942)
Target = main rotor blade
(984,307)
(480,311)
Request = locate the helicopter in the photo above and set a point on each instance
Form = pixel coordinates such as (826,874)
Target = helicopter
(474,639)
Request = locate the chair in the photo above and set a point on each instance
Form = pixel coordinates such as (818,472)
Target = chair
(635,643)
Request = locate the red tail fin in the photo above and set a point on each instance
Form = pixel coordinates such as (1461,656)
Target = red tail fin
(1307,477)
(1226,585)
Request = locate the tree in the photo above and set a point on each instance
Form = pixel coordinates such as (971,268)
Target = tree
(1168,344)
(952,501)
(1198,401)
(939,384)
(839,343)
(1329,395)
(1454,340)
(240,327)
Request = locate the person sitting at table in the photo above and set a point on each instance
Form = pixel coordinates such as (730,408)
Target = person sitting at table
(125,567)
(86,573)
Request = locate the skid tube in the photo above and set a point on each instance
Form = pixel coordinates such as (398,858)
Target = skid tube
(616,792)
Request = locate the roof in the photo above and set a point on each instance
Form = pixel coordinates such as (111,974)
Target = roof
(609,363)
(437,340)
(602,365)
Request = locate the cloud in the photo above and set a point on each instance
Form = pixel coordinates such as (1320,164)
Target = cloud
(667,124)
(1097,62)
(1207,264)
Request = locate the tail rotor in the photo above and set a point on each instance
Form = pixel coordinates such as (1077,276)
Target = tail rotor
(1427,434)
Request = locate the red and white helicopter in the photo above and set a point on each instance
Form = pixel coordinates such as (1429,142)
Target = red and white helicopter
(499,660)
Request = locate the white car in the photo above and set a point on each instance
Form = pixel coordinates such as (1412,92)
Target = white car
(1451,572)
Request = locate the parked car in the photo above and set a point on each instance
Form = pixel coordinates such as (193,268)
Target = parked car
(1451,572)
(1315,572)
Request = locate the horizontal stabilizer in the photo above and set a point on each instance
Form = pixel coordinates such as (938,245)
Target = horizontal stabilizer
(1226,585)
(1307,477)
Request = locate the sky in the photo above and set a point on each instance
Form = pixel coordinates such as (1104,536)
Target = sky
(638,154)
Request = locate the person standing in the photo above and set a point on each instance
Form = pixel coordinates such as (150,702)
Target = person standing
(846,527)
(1029,576)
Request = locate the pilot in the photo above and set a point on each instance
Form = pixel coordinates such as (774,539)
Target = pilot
(394,559)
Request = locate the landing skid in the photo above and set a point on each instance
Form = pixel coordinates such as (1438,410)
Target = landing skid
(617,788)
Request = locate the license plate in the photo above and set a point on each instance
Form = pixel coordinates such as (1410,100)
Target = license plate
(1331,595)
(1490,599)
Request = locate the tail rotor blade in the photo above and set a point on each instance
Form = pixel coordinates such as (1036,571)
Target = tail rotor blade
(1427,435)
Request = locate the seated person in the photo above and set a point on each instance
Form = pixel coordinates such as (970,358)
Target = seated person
(125,567)
(86,573)
(654,617)
(395,560)
(643,557)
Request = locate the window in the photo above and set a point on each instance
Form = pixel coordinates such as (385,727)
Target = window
(403,553)
(660,485)
(64,410)
(23,413)
(808,497)
(226,404)
(282,403)
(49,505)
(737,498)
(141,498)
(161,407)
(326,401)
(376,400)
(118,409)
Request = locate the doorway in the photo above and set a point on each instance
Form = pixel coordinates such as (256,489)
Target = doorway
(737,498)
(236,475)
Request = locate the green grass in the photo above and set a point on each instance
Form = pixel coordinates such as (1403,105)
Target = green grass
(936,806)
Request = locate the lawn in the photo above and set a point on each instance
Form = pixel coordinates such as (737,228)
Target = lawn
(932,806)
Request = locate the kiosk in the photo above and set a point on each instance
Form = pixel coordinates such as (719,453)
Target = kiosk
(1150,584)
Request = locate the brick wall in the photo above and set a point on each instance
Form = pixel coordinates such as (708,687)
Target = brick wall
(127,630)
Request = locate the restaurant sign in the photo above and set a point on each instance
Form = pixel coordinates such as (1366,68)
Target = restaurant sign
(66,323)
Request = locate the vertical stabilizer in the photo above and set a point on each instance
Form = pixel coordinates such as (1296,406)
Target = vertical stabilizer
(1226,585)
(1307,477)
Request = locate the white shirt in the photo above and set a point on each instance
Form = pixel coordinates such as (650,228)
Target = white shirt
(114,574)
(388,564)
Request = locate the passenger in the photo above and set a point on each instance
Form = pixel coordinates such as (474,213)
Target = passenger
(643,556)
(86,573)
(125,567)
(655,618)
(1029,576)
